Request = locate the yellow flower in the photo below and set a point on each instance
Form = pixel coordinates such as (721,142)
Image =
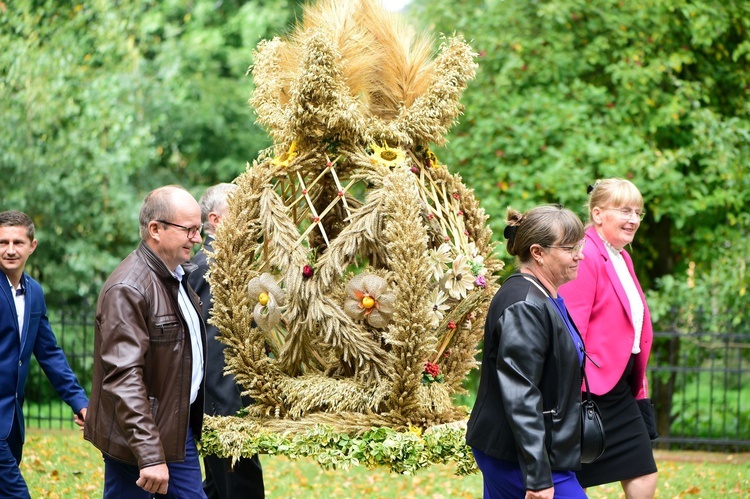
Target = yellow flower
(367,298)
(268,298)
(286,159)
(431,160)
(387,156)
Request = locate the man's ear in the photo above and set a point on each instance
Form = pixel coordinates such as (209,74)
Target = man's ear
(153,229)
(33,246)
(214,219)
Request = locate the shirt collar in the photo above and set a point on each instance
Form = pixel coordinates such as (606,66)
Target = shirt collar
(179,272)
(21,286)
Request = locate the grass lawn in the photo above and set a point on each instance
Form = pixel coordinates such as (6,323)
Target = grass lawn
(60,464)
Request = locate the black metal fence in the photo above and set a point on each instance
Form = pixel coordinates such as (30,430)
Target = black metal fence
(700,384)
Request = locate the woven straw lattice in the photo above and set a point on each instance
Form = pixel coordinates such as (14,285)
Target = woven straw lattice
(353,270)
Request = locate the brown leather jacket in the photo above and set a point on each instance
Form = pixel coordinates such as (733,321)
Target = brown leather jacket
(140,411)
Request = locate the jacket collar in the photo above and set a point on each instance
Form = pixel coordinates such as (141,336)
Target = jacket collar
(598,243)
(155,263)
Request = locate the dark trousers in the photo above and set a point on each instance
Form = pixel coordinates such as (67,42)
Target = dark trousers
(12,484)
(184,477)
(224,481)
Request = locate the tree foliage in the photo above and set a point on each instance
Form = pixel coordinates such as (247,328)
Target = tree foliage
(102,101)
(569,91)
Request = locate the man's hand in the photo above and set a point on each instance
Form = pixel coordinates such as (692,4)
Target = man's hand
(154,479)
(80,418)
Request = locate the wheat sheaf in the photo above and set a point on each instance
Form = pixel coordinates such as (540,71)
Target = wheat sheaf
(353,271)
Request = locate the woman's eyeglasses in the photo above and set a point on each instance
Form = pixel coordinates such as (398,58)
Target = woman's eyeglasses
(627,213)
(573,250)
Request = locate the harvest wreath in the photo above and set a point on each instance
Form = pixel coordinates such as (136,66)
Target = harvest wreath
(353,271)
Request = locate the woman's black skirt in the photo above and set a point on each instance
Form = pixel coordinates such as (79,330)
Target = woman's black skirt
(628,453)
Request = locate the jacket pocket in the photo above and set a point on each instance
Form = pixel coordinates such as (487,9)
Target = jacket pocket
(165,330)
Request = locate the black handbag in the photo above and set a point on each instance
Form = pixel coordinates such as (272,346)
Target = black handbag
(649,417)
(593,440)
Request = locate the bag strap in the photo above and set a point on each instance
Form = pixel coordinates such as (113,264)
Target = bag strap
(585,378)
(532,279)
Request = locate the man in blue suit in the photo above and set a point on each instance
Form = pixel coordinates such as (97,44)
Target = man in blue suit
(24,328)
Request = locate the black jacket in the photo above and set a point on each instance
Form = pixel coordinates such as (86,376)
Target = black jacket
(528,404)
(222,393)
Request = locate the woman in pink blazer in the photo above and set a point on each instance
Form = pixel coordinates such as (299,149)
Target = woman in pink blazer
(608,306)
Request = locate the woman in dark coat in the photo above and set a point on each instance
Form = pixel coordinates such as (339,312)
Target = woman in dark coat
(524,428)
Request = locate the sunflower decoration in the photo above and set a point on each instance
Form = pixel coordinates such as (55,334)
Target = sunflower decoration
(351,250)
(286,158)
(431,160)
(387,156)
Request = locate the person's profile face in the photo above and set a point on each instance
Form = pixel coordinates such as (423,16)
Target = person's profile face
(173,239)
(562,261)
(619,224)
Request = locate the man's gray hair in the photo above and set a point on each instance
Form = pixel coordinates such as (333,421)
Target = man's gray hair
(213,199)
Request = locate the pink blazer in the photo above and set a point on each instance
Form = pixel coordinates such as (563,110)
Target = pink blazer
(599,306)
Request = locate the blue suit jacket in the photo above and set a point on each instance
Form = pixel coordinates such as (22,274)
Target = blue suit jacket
(15,353)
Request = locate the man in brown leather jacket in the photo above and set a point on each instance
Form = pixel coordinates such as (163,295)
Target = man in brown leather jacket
(146,406)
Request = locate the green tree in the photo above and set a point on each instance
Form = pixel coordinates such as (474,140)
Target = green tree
(104,100)
(569,91)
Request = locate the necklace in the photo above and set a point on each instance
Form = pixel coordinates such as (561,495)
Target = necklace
(607,244)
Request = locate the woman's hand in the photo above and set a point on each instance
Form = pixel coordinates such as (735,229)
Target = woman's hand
(541,494)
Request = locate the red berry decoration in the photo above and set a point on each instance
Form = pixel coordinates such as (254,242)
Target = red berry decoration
(307,271)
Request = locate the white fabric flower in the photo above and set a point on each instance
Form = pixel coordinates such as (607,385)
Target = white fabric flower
(459,279)
(476,261)
(440,258)
(437,299)
(367,298)
(267,298)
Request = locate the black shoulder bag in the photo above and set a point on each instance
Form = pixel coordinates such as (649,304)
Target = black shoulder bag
(593,441)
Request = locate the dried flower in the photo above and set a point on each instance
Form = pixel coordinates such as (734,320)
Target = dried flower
(267,298)
(437,299)
(440,258)
(286,159)
(387,156)
(480,282)
(431,159)
(367,298)
(458,279)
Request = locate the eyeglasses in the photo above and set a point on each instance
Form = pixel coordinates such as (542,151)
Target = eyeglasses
(191,231)
(573,250)
(627,213)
